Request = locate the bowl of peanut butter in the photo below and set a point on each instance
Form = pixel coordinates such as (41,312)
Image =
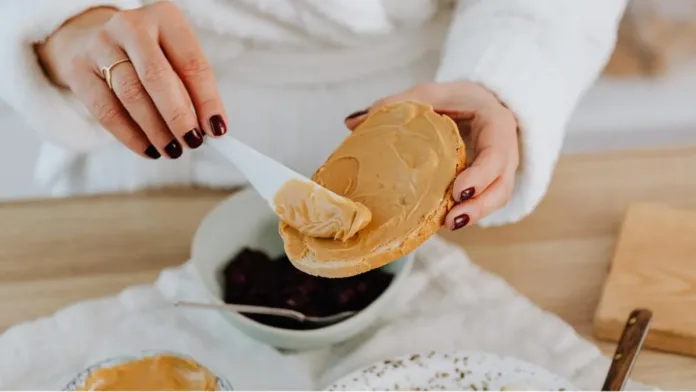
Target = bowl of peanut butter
(238,257)
(149,371)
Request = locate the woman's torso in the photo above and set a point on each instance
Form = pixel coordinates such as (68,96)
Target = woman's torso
(288,75)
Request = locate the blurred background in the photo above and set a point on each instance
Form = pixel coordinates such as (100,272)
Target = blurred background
(646,96)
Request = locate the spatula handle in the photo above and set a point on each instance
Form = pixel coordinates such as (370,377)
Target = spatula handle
(263,173)
(631,341)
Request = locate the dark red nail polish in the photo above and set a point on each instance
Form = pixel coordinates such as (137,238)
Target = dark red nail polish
(152,152)
(467,194)
(174,149)
(357,114)
(193,138)
(217,125)
(460,221)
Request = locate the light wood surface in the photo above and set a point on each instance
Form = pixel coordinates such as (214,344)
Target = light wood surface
(654,266)
(53,253)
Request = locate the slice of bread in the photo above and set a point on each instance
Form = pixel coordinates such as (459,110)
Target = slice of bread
(417,127)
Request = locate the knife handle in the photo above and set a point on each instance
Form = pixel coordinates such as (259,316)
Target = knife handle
(630,343)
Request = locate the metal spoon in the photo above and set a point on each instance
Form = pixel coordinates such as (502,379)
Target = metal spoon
(630,343)
(287,313)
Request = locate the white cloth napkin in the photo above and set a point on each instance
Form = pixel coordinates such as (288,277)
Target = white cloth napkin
(448,303)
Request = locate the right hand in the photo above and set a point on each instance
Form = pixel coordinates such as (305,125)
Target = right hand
(163,98)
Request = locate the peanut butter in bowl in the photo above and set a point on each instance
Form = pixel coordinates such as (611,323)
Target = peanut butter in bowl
(150,372)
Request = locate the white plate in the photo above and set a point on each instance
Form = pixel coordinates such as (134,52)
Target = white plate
(452,371)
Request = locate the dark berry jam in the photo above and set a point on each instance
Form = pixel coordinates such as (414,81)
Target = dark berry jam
(253,278)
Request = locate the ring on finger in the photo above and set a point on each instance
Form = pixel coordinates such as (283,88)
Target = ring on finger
(106,72)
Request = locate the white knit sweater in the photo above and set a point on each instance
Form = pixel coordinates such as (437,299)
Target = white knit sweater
(290,70)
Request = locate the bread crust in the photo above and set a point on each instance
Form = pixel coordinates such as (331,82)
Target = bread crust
(427,228)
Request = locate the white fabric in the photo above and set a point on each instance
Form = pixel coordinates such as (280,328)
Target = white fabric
(539,57)
(289,71)
(448,303)
(49,111)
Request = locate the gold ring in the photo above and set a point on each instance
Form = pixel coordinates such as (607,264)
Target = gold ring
(106,72)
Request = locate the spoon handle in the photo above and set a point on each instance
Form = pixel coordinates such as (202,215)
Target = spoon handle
(244,309)
(627,349)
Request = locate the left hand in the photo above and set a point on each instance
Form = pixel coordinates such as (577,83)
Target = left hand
(487,184)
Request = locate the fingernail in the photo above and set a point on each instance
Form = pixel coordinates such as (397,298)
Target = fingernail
(217,124)
(193,138)
(174,149)
(460,221)
(357,114)
(152,152)
(466,194)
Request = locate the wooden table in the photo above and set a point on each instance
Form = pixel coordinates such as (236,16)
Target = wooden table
(53,253)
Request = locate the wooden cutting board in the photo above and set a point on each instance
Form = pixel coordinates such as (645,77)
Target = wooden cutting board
(654,267)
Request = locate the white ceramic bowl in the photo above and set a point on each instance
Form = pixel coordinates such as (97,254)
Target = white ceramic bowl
(246,220)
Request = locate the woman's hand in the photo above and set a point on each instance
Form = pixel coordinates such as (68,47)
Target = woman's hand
(487,184)
(164,96)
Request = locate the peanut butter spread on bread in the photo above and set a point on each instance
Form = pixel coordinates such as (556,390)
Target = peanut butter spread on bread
(318,213)
(399,164)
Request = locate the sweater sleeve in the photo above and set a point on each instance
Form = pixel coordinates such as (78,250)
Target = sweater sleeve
(539,57)
(55,115)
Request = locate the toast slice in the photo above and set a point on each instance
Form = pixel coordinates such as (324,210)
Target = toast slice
(401,163)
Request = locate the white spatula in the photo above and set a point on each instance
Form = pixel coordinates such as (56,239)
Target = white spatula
(265,174)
